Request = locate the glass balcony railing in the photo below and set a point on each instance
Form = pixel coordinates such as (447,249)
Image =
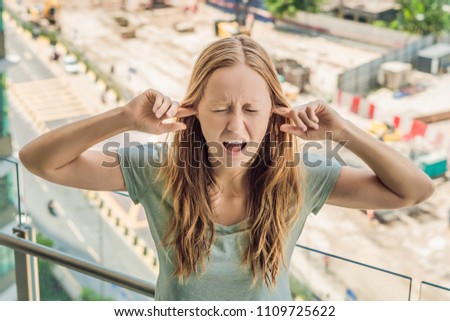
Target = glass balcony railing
(331,277)
(433,292)
(47,277)
(78,244)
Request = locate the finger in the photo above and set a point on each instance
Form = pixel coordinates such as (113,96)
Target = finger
(291,129)
(297,120)
(170,127)
(308,122)
(167,102)
(172,109)
(186,112)
(312,114)
(158,101)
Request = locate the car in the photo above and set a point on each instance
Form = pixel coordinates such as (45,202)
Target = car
(52,208)
(13,59)
(70,64)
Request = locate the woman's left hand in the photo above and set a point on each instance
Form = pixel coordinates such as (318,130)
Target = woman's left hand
(312,121)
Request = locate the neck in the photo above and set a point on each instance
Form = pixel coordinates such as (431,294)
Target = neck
(232,180)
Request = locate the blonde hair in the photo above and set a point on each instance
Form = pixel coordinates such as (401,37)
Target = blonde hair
(275,194)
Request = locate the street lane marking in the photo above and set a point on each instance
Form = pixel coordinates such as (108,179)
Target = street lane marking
(93,254)
(75,230)
(59,209)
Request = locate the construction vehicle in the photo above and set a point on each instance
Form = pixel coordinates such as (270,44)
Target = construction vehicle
(229,28)
(384,131)
(44,10)
(433,164)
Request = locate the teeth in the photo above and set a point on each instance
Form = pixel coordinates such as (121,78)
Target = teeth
(235,142)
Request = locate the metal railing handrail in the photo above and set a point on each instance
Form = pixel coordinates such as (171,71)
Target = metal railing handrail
(440,287)
(361,264)
(130,282)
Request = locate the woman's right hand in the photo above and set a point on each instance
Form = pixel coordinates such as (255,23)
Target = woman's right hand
(148,110)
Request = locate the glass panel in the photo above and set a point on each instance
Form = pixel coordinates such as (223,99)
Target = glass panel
(9,198)
(7,275)
(93,226)
(4,118)
(326,277)
(8,191)
(433,292)
(57,283)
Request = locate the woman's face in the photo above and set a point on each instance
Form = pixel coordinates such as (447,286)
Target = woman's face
(234,114)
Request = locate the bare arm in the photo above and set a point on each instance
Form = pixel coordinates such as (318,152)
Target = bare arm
(395,181)
(62,156)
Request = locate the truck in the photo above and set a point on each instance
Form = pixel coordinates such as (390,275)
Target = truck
(433,164)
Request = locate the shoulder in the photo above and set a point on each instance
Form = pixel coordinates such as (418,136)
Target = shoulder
(148,155)
(319,175)
(140,164)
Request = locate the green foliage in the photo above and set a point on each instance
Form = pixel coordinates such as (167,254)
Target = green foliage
(280,8)
(43,240)
(379,23)
(50,289)
(423,16)
(88,294)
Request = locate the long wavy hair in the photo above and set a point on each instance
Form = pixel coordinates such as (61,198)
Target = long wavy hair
(275,191)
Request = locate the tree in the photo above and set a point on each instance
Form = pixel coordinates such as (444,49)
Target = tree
(423,16)
(280,8)
(50,289)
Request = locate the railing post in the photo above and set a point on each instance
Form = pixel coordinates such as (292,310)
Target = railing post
(27,274)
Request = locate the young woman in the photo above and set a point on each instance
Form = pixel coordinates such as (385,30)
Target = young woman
(228,200)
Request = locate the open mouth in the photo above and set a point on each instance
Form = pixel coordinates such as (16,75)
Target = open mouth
(234,146)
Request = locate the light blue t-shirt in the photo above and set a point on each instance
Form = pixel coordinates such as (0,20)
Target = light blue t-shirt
(224,278)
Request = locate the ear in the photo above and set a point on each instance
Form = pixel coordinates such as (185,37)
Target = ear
(272,110)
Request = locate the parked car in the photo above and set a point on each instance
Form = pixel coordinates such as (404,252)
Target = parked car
(13,59)
(70,64)
(52,208)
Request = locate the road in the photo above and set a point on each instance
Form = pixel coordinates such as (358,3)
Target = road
(78,229)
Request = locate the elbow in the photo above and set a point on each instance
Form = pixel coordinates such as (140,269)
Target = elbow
(426,189)
(26,159)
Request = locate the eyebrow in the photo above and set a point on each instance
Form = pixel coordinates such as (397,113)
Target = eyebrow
(227,103)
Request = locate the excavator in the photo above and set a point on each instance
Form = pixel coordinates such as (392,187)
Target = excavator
(48,10)
(241,24)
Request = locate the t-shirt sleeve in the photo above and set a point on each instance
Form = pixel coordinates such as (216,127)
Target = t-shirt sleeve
(322,174)
(139,168)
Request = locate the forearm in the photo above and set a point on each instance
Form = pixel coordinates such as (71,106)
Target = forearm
(393,169)
(61,146)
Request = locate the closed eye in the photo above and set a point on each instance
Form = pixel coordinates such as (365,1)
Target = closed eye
(252,110)
(219,110)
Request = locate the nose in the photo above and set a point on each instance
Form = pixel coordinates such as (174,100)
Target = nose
(236,122)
